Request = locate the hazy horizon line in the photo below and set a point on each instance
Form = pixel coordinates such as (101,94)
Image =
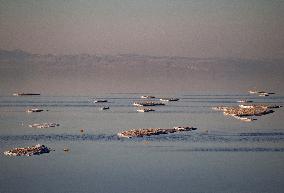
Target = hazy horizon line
(133,55)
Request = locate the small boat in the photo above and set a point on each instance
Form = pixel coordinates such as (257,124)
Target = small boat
(147,103)
(104,108)
(244,101)
(169,99)
(25,94)
(100,101)
(34,110)
(145,110)
(147,97)
(263,94)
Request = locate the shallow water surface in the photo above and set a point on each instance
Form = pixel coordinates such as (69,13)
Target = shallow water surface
(222,155)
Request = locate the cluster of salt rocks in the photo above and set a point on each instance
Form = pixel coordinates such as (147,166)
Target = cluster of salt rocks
(44,125)
(152,131)
(247,110)
(28,151)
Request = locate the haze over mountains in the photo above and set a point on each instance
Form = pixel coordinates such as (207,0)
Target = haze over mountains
(94,74)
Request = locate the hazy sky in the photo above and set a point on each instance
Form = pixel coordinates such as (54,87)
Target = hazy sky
(199,28)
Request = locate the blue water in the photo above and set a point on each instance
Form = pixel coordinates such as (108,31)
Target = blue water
(222,155)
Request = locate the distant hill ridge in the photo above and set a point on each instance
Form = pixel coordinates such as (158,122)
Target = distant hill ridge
(116,73)
(20,57)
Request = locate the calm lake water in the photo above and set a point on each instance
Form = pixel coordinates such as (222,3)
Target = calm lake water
(222,155)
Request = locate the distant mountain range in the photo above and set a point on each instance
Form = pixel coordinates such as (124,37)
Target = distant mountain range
(89,74)
(188,63)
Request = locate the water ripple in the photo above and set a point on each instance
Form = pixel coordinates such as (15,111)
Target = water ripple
(230,149)
(194,137)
